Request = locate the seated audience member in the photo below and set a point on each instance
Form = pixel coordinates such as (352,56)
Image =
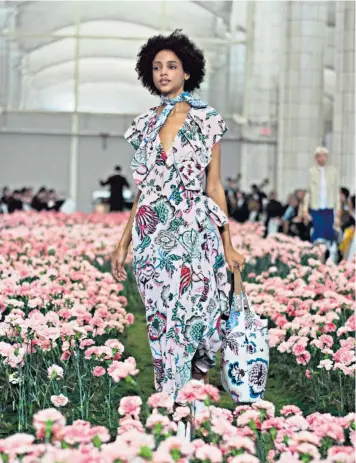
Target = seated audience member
(54,204)
(15,202)
(342,215)
(290,213)
(231,199)
(27,196)
(242,212)
(301,225)
(4,200)
(39,201)
(274,212)
(349,232)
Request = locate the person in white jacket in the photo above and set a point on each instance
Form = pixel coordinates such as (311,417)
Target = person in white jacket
(322,199)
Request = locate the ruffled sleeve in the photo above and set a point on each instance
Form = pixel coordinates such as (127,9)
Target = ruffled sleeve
(134,133)
(214,127)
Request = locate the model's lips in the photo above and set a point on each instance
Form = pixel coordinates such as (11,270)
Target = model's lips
(164,81)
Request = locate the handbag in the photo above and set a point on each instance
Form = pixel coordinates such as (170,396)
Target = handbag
(245,350)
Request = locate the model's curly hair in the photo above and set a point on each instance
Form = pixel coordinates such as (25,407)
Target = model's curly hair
(191,56)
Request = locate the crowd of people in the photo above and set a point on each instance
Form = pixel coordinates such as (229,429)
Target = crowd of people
(324,212)
(25,199)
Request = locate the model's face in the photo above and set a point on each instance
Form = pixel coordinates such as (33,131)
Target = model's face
(321,159)
(168,73)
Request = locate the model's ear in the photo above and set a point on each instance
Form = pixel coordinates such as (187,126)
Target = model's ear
(186,76)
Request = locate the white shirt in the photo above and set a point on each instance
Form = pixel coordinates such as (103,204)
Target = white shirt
(323,201)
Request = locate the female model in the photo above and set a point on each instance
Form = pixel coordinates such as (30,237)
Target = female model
(179,263)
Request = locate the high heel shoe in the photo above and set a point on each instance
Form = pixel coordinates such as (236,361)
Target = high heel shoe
(198,405)
(184,431)
(181,429)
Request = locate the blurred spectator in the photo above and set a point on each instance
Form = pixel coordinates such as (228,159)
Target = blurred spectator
(4,201)
(53,203)
(242,212)
(27,196)
(231,198)
(117,184)
(15,202)
(346,248)
(39,201)
(322,197)
(343,212)
(274,212)
(290,213)
(255,203)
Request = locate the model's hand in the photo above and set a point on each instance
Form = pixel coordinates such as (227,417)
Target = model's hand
(118,258)
(234,259)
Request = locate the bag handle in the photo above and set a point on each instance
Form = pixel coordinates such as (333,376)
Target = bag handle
(238,284)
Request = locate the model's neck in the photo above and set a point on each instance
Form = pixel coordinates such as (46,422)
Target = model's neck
(174,94)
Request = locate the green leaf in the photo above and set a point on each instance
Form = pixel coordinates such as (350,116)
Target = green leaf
(176,454)
(97,442)
(145,452)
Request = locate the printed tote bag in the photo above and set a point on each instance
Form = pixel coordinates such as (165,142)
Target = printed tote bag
(245,351)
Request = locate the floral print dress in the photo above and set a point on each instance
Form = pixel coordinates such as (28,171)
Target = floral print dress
(178,257)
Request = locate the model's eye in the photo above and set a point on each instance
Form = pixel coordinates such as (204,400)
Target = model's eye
(172,66)
(155,68)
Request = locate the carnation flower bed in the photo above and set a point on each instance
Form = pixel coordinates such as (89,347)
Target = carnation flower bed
(249,434)
(63,330)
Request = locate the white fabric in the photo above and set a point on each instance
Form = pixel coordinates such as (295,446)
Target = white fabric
(352,251)
(68,206)
(323,201)
(4,208)
(273,226)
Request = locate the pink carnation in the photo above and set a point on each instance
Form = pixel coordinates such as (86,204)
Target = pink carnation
(180,413)
(49,415)
(128,423)
(245,458)
(290,410)
(209,452)
(16,444)
(130,405)
(130,318)
(304,358)
(160,400)
(59,400)
(245,418)
(99,371)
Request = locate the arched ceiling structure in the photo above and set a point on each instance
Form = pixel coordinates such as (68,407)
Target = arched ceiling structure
(43,34)
(111,33)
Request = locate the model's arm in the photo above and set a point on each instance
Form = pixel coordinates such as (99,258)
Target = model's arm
(120,253)
(215,190)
